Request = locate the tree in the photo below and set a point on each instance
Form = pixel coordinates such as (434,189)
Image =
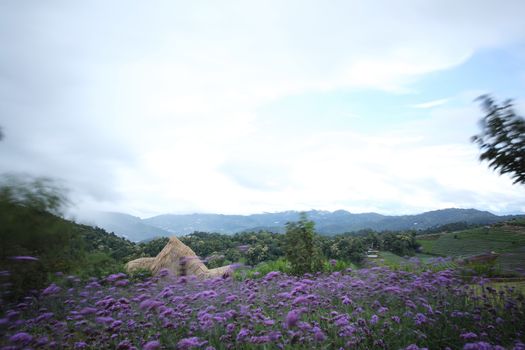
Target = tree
(256,253)
(300,248)
(502,139)
(349,249)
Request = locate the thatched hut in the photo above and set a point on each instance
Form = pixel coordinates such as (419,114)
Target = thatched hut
(180,260)
(139,264)
(219,271)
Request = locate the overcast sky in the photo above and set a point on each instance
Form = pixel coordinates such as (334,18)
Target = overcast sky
(150,107)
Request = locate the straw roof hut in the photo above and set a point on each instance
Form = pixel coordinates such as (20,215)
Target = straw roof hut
(180,260)
(219,271)
(139,264)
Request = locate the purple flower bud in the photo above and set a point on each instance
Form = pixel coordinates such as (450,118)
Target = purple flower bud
(151,345)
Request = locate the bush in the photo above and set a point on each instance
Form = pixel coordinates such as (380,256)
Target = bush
(281,265)
(98,264)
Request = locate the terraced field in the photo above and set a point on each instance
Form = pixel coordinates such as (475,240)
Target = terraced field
(419,262)
(508,240)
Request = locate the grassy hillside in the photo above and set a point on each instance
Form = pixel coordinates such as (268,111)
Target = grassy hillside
(506,239)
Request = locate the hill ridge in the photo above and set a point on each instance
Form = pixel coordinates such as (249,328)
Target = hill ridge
(327,222)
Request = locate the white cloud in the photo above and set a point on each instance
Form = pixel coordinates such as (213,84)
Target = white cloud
(166,100)
(431,104)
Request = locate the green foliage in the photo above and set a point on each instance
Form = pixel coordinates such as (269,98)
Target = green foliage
(373,241)
(154,246)
(256,253)
(97,264)
(400,244)
(455,226)
(427,245)
(27,229)
(140,275)
(349,249)
(300,247)
(205,244)
(281,265)
(29,226)
(216,260)
(253,248)
(250,247)
(502,139)
(481,269)
(284,266)
(520,222)
(232,255)
(333,265)
(98,240)
(39,194)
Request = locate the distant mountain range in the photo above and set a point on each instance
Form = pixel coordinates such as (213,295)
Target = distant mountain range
(326,222)
(128,226)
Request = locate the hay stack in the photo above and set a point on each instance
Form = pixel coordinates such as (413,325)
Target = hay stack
(139,264)
(180,260)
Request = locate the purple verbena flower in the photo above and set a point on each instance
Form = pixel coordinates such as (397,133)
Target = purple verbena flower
(468,336)
(374,319)
(21,338)
(80,345)
(478,346)
(318,334)
(420,319)
(23,258)
(88,311)
(189,343)
(151,345)
(243,333)
(52,289)
(292,318)
(115,276)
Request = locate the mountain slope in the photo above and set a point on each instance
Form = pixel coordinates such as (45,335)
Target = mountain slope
(326,222)
(129,226)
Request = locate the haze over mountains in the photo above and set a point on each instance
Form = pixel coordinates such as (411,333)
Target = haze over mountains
(340,221)
(129,226)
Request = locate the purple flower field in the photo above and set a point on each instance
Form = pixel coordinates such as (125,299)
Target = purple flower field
(373,308)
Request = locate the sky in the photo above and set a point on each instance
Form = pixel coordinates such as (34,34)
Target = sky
(239,107)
